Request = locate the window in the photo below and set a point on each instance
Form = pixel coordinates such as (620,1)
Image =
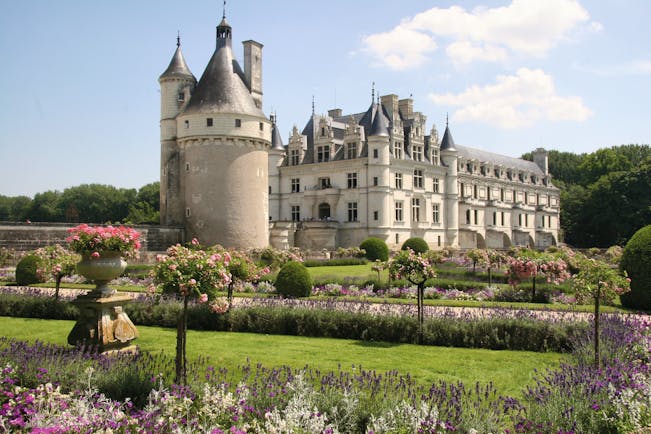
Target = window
(187,167)
(323,154)
(399,181)
(549,221)
(397,150)
(474,192)
(398,207)
(467,216)
(209,122)
(352,180)
(502,218)
(351,150)
(476,213)
(293,156)
(296,213)
(238,123)
(375,153)
(417,153)
(352,211)
(435,157)
(181,96)
(469,167)
(438,240)
(375,181)
(324,183)
(187,212)
(488,193)
(542,221)
(261,126)
(526,198)
(462,190)
(537,199)
(494,218)
(415,209)
(502,194)
(418,178)
(519,219)
(526,220)
(435,186)
(435,213)
(296,185)
(376,215)
(186,124)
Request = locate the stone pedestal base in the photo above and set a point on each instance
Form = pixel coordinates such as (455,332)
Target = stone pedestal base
(103,323)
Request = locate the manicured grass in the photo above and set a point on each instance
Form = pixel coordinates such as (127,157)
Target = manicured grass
(343,272)
(510,371)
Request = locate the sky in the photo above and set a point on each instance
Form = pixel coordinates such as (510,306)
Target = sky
(81,101)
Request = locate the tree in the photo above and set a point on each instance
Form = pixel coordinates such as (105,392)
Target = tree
(191,272)
(58,262)
(146,207)
(242,269)
(97,203)
(488,258)
(45,207)
(416,268)
(601,282)
(531,264)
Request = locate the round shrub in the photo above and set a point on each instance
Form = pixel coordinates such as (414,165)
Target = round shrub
(636,260)
(294,280)
(375,249)
(27,271)
(418,245)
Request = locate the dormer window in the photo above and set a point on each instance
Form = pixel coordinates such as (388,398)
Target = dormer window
(323,154)
(351,151)
(186,124)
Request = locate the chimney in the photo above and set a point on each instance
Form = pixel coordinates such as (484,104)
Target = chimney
(541,158)
(253,69)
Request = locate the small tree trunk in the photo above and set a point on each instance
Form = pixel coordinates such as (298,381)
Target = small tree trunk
(230,295)
(490,279)
(57,286)
(421,315)
(533,290)
(596,328)
(181,334)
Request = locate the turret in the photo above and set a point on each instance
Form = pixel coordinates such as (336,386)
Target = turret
(449,158)
(177,84)
(276,155)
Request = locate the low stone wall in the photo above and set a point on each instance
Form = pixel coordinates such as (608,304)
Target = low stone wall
(30,236)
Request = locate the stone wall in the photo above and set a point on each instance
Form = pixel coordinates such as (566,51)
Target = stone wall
(30,236)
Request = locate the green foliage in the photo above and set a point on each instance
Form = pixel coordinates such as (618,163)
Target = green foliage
(28,271)
(375,248)
(636,261)
(294,280)
(416,244)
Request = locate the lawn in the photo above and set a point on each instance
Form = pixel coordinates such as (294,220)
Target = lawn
(510,371)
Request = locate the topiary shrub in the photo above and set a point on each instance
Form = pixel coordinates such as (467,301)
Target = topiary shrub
(375,248)
(418,245)
(294,280)
(636,261)
(27,271)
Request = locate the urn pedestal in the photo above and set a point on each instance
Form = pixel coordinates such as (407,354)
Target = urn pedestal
(102,321)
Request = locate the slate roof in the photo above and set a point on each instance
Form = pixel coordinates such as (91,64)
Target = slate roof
(222,87)
(497,159)
(177,67)
(447,143)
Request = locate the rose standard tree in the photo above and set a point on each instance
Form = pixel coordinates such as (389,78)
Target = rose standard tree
(527,264)
(601,282)
(191,272)
(58,262)
(416,268)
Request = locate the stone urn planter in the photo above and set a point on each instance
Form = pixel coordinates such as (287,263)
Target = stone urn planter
(102,321)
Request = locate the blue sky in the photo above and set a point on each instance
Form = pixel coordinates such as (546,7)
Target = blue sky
(80,97)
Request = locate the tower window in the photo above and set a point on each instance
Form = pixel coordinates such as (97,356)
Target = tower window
(187,212)
(186,123)
(187,167)
(261,126)
(209,122)
(375,153)
(238,123)
(376,215)
(181,97)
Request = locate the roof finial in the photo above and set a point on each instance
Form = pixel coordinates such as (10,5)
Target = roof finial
(224,14)
(312,104)
(373,92)
(446,119)
(178,38)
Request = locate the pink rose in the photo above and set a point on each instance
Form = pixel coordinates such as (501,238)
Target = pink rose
(203,298)
(94,255)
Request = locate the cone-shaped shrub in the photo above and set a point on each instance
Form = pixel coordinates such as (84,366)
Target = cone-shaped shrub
(636,260)
(294,280)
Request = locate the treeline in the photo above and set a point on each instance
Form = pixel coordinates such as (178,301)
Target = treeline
(605,195)
(87,203)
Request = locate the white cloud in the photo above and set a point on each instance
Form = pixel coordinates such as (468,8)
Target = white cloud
(635,67)
(515,101)
(400,48)
(529,27)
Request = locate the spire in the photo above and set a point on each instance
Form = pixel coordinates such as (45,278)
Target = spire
(373,93)
(177,67)
(312,104)
(224,14)
(276,140)
(447,143)
(224,30)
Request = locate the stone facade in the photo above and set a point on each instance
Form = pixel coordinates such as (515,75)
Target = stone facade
(377,173)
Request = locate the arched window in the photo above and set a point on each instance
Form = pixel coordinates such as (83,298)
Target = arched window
(324,211)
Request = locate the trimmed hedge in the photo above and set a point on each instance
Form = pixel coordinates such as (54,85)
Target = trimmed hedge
(636,260)
(375,248)
(294,280)
(491,333)
(418,245)
(27,271)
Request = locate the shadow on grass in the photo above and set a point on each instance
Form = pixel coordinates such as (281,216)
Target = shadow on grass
(376,344)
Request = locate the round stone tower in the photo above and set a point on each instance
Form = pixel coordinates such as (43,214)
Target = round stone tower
(223,138)
(449,158)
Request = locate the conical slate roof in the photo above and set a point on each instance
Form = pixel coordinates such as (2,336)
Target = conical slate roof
(276,140)
(447,143)
(177,67)
(222,87)
(380,125)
